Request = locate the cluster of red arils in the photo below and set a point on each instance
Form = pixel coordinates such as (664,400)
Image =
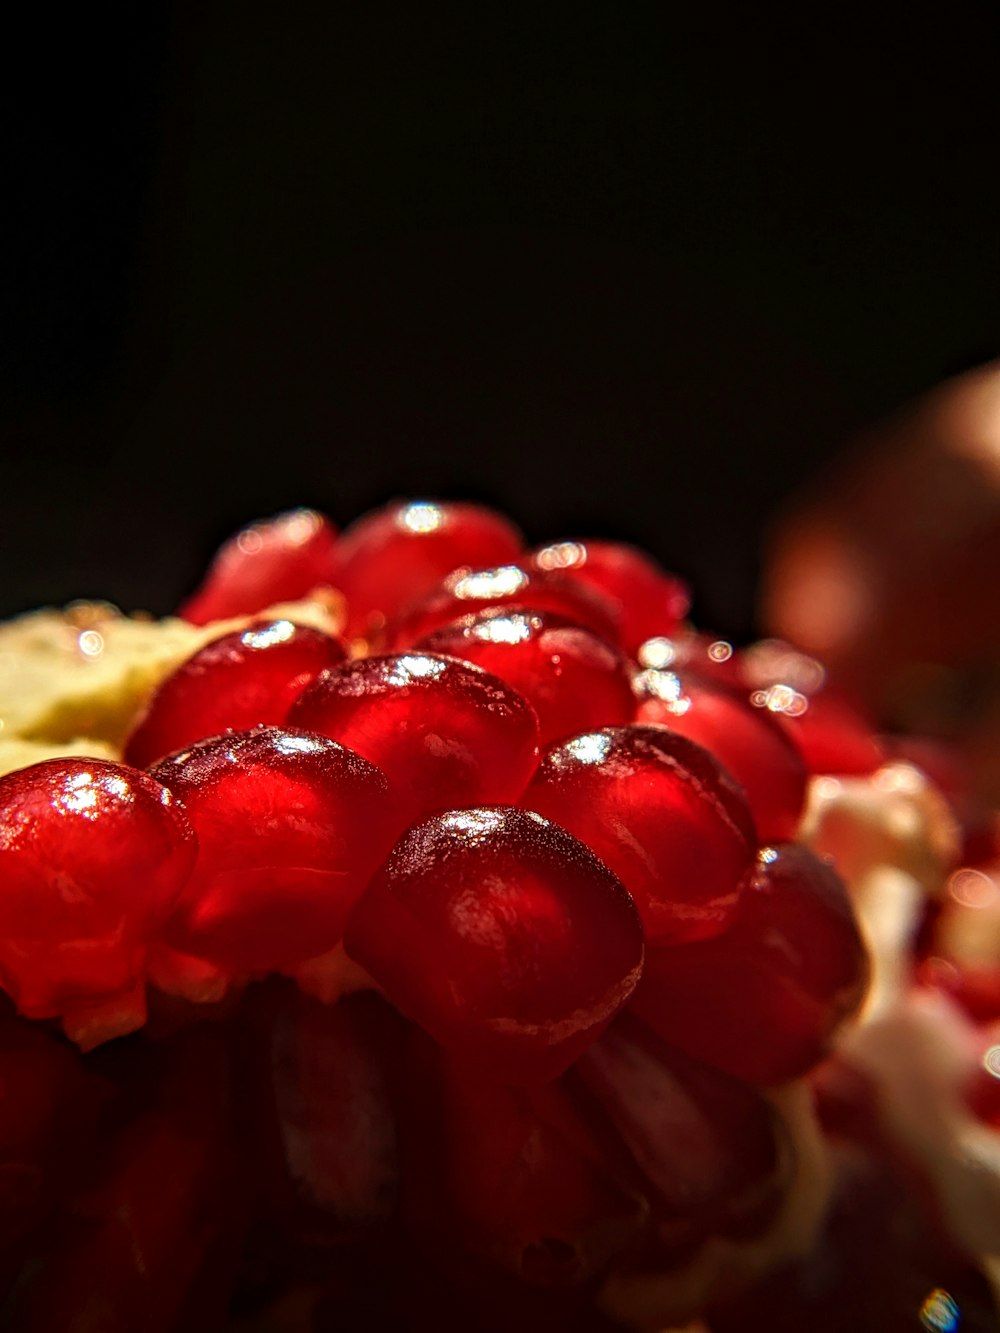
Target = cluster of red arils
(529,835)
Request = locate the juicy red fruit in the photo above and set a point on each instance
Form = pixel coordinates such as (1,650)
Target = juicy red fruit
(275,560)
(93,856)
(290,828)
(659,811)
(466,591)
(396,554)
(445,733)
(763,1000)
(649,601)
(244,679)
(745,739)
(573,679)
(503,936)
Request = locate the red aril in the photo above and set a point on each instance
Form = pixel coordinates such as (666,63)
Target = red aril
(484,1172)
(467,591)
(573,679)
(708,1147)
(290,826)
(830,735)
(763,1000)
(445,732)
(93,856)
(650,602)
(662,813)
(746,740)
(275,560)
(396,554)
(503,936)
(244,679)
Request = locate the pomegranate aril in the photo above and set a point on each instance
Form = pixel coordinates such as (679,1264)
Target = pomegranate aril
(830,735)
(396,554)
(662,813)
(763,1000)
(467,591)
(445,732)
(745,739)
(485,1173)
(503,936)
(710,1150)
(93,856)
(573,679)
(650,602)
(291,826)
(244,679)
(275,560)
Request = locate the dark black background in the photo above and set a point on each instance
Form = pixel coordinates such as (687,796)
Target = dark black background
(613,272)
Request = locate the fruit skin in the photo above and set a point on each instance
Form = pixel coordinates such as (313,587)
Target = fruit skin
(763,1000)
(446,733)
(662,813)
(278,559)
(650,602)
(573,679)
(93,856)
(244,679)
(746,740)
(396,554)
(290,828)
(503,936)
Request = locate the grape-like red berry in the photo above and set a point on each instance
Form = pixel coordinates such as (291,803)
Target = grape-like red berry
(290,827)
(503,936)
(574,680)
(397,554)
(93,856)
(467,591)
(445,732)
(662,813)
(649,601)
(746,740)
(244,679)
(276,560)
(763,1000)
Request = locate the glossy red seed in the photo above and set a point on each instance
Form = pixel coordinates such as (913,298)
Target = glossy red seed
(502,935)
(574,680)
(691,650)
(662,814)
(244,679)
(275,560)
(445,732)
(93,856)
(290,827)
(467,591)
(650,602)
(486,1173)
(745,739)
(709,1148)
(763,1000)
(398,553)
(830,735)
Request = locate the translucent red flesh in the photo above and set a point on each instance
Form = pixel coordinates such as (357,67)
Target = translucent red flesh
(276,560)
(445,732)
(662,813)
(502,935)
(394,555)
(763,1000)
(93,856)
(573,679)
(245,679)
(290,828)
(745,739)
